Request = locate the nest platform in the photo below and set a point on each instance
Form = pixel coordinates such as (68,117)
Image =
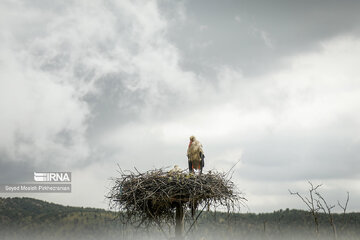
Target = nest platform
(156,194)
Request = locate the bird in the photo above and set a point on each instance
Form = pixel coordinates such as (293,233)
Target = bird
(195,155)
(176,169)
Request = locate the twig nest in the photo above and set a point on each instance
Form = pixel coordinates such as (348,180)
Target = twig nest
(154,195)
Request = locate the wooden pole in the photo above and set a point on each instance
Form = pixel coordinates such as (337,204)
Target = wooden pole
(179,227)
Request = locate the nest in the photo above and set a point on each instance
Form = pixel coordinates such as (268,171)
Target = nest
(155,194)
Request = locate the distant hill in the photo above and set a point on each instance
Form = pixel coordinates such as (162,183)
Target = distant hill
(20,211)
(28,218)
(32,207)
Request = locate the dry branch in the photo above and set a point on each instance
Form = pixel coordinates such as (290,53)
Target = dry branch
(346,204)
(310,203)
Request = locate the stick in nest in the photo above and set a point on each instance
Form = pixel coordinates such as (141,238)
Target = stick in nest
(154,195)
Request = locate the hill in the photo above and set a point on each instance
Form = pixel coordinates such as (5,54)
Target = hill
(28,218)
(22,218)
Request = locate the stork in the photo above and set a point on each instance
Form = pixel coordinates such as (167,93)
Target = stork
(195,155)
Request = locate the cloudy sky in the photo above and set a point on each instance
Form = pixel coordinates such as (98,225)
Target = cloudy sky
(87,85)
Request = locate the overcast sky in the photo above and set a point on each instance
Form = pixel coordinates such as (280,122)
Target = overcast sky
(87,85)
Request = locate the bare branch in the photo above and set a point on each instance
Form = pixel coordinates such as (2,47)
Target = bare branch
(304,199)
(323,205)
(346,203)
(310,203)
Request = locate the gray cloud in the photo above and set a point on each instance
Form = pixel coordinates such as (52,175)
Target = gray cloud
(238,33)
(96,84)
(300,157)
(15,172)
(114,104)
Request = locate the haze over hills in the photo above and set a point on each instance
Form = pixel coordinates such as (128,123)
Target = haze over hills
(28,218)
(21,218)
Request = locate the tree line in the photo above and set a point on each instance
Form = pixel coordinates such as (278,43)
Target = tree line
(23,218)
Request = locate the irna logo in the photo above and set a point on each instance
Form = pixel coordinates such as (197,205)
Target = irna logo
(52,176)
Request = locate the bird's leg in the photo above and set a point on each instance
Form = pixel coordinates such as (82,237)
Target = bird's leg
(190,166)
